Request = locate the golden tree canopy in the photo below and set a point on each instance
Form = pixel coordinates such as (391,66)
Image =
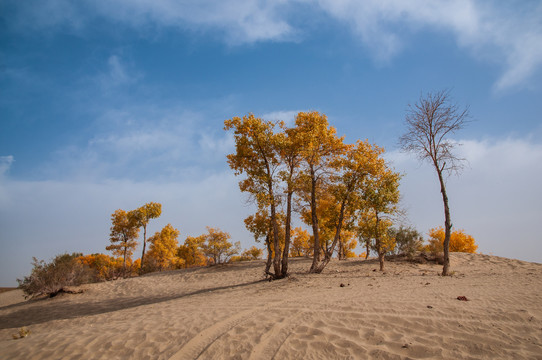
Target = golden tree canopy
(459,241)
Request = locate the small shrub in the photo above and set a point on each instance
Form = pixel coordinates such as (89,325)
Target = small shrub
(22,333)
(51,278)
(409,241)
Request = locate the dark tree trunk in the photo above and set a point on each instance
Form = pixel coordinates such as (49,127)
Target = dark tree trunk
(314,220)
(144,245)
(288,225)
(367,249)
(276,242)
(447,225)
(379,244)
(124,264)
(329,251)
(269,255)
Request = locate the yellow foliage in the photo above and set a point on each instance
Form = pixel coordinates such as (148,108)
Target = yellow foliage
(164,248)
(106,267)
(190,252)
(300,244)
(387,243)
(217,247)
(124,232)
(459,241)
(252,254)
(347,245)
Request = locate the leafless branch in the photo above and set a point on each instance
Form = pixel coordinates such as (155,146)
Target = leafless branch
(430,122)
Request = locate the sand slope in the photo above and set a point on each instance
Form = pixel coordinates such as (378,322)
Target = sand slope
(409,312)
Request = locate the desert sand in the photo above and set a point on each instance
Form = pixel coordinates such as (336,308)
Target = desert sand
(228,312)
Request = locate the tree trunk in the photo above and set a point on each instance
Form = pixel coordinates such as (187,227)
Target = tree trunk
(314,220)
(288,225)
(276,242)
(379,244)
(329,251)
(269,255)
(447,225)
(367,249)
(124,264)
(143,252)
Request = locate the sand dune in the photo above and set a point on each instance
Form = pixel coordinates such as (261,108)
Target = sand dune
(228,312)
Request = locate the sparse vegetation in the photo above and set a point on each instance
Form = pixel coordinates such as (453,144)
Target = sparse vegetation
(51,278)
(22,333)
(344,192)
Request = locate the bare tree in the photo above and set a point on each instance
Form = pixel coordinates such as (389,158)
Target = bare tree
(429,123)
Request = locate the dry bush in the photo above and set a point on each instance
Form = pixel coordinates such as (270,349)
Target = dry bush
(51,278)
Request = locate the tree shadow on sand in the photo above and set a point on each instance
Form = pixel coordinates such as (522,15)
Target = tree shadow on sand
(43,310)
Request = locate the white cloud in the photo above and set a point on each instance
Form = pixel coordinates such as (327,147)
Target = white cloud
(495,198)
(508,34)
(287,116)
(239,21)
(145,142)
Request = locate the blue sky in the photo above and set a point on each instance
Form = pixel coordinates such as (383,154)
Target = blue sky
(112,104)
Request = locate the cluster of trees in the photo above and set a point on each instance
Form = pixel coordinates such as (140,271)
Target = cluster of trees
(211,248)
(342,191)
(338,189)
(125,231)
(408,241)
(65,270)
(164,251)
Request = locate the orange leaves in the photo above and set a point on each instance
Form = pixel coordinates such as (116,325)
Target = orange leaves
(301,244)
(330,181)
(459,241)
(253,253)
(124,231)
(105,267)
(318,141)
(217,247)
(163,248)
(143,214)
(190,252)
(256,150)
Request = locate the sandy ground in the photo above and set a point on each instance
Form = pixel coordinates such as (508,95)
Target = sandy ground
(227,312)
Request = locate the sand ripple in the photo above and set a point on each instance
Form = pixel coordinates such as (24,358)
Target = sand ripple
(228,312)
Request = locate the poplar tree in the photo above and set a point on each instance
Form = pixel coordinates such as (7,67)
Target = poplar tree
(430,122)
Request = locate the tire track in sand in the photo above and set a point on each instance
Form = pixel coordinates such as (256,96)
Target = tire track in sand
(196,346)
(268,347)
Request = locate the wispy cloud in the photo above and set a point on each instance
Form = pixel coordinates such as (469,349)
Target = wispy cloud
(145,142)
(117,74)
(507,34)
(288,116)
(240,21)
(5,164)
